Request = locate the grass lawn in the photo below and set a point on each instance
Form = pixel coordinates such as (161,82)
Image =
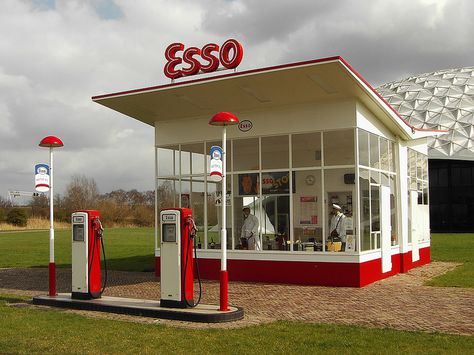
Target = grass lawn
(130,249)
(28,331)
(454,247)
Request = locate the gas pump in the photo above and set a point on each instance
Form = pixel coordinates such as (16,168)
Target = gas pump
(87,243)
(178,233)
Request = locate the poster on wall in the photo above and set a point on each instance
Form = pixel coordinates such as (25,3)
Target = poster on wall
(277,182)
(308,210)
(248,184)
(350,243)
(273,183)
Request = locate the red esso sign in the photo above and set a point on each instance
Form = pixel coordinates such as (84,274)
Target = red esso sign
(191,55)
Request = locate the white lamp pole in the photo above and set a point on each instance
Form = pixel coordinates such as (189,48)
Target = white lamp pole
(51,142)
(224,119)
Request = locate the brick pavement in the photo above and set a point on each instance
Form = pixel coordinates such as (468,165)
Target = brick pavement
(400,302)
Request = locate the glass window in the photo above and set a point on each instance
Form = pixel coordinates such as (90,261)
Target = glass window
(185,193)
(306,150)
(425,168)
(197,204)
(275,152)
(192,158)
(339,147)
(339,185)
(214,214)
(393,209)
(384,154)
(275,221)
(228,154)
(167,193)
(374,177)
(419,165)
(363,147)
(246,198)
(375,216)
(307,210)
(213,210)
(364,194)
(375,208)
(374,151)
(246,154)
(168,160)
(185,162)
(393,161)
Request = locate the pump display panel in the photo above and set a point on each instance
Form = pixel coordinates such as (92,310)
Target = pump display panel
(78,232)
(169,232)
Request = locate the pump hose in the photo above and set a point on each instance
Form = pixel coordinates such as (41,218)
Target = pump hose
(197,271)
(104,284)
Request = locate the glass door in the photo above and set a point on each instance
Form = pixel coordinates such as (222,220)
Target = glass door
(375,216)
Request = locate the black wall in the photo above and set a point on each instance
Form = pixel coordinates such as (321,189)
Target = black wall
(451,195)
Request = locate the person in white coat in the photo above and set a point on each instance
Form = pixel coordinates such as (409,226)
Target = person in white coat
(250,230)
(338,225)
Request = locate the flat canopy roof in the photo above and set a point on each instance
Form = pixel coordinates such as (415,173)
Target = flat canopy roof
(320,80)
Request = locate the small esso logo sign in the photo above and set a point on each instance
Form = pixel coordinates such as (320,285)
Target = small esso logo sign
(211,61)
(245,125)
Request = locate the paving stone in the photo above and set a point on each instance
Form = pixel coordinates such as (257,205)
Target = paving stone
(400,302)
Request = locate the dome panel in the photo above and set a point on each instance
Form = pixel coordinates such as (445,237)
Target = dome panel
(439,100)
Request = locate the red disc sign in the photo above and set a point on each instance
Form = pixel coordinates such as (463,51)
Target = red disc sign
(211,61)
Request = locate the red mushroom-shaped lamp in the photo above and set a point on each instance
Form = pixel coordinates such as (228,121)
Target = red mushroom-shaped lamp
(224,119)
(51,142)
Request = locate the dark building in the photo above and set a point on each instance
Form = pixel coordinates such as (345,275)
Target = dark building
(451,195)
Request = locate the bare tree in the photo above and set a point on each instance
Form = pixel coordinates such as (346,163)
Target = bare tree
(5,206)
(81,193)
(40,206)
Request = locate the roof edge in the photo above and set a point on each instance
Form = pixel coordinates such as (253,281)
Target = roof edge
(361,78)
(245,72)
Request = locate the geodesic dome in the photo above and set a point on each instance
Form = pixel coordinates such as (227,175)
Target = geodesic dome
(440,100)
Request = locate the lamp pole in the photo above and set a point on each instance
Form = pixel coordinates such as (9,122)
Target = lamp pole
(224,119)
(51,142)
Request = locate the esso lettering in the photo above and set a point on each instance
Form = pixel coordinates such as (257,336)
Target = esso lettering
(229,55)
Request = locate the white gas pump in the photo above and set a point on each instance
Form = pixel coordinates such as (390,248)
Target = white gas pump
(176,258)
(87,243)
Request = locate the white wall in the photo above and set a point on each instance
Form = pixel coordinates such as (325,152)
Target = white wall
(367,121)
(282,120)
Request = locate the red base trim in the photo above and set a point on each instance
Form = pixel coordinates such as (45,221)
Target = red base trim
(224,294)
(407,263)
(52,279)
(307,273)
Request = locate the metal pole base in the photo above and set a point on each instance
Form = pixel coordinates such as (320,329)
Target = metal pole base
(224,293)
(52,279)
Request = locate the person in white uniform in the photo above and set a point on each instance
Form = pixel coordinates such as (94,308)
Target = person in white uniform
(250,230)
(338,225)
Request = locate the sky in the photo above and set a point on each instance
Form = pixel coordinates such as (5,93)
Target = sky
(56,54)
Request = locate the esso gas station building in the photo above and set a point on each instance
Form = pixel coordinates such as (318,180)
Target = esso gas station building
(311,134)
